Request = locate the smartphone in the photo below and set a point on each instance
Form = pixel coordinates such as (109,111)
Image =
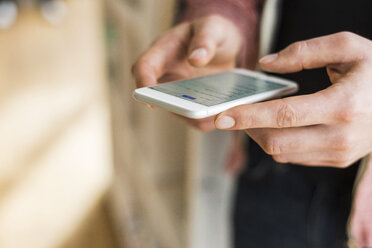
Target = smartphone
(206,96)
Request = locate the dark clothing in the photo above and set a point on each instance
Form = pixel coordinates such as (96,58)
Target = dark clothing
(279,205)
(285,205)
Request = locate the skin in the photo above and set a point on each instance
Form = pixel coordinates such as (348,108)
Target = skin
(331,127)
(217,43)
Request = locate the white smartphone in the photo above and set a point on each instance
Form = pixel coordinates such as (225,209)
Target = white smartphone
(210,95)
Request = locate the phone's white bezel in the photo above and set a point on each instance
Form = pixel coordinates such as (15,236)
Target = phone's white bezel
(197,111)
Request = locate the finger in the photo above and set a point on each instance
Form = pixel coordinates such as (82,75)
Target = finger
(292,140)
(294,111)
(152,64)
(340,48)
(206,38)
(204,125)
(149,68)
(320,158)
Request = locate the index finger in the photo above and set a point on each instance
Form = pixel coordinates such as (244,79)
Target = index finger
(151,65)
(335,49)
(294,111)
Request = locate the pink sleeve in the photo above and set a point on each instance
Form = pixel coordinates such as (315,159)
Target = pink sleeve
(245,14)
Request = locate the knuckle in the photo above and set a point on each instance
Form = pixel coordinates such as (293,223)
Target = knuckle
(202,36)
(349,111)
(203,39)
(344,142)
(243,118)
(297,47)
(272,145)
(347,115)
(347,40)
(343,157)
(205,36)
(343,164)
(296,50)
(280,159)
(286,115)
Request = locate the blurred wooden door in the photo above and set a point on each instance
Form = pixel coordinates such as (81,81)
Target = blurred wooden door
(55,144)
(170,188)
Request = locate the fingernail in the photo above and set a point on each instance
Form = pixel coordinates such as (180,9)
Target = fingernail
(198,53)
(150,106)
(268,58)
(225,122)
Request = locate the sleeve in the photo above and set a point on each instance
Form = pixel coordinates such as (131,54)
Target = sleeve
(245,14)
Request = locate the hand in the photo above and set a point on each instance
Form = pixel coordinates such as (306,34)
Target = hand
(206,45)
(332,127)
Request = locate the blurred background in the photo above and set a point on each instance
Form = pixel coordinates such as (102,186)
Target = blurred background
(81,163)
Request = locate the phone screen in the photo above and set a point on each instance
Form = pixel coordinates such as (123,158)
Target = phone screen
(217,89)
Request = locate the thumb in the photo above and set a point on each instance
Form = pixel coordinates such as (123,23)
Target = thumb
(206,38)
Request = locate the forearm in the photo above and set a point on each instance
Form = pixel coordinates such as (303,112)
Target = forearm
(245,14)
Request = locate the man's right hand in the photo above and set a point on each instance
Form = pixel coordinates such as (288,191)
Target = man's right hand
(204,46)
